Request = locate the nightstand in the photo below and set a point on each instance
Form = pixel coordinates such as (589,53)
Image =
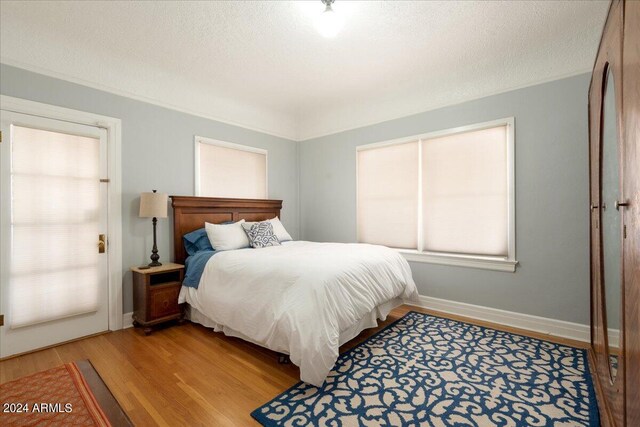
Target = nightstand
(155,295)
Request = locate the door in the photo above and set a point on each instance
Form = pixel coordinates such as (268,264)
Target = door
(631,181)
(614,117)
(53,227)
(607,220)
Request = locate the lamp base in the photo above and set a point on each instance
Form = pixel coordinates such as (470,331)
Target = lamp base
(154,252)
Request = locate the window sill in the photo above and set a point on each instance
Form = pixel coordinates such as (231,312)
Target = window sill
(485,263)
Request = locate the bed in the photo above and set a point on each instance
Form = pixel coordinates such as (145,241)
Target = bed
(303,299)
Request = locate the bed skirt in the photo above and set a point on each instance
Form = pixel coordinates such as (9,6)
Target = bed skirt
(370,320)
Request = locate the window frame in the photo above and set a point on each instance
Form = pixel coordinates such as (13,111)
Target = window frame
(497,263)
(210,141)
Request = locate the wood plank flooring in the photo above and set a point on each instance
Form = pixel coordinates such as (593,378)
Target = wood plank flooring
(188,374)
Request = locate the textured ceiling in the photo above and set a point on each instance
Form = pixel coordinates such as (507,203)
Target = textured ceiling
(263,65)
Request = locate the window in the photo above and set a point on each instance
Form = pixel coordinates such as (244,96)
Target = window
(55,271)
(230,170)
(445,197)
(388,195)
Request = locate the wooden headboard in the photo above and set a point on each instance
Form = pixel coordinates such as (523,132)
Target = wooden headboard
(190,213)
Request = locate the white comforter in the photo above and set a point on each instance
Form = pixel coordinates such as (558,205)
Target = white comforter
(300,296)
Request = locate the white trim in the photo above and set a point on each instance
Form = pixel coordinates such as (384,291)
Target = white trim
(511,189)
(204,140)
(544,325)
(127,320)
(420,203)
(302,137)
(397,141)
(296,136)
(232,145)
(290,135)
(508,121)
(507,263)
(458,260)
(113,127)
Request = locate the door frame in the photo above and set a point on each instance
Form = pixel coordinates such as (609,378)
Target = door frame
(113,127)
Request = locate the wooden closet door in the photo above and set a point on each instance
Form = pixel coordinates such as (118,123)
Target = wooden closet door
(615,205)
(607,279)
(631,180)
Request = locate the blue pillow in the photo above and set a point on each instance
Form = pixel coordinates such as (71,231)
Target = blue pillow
(194,267)
(197,241)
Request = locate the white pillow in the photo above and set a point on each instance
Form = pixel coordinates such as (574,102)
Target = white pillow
(224,237)
(279,230)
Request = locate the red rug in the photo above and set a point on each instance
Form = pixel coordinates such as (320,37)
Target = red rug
(59,396)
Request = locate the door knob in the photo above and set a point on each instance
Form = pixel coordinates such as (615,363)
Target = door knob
(593,207)
(618,204)
(102,243)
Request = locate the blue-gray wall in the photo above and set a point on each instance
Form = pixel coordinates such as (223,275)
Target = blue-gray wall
(552,228)
(157,153)
(552,279)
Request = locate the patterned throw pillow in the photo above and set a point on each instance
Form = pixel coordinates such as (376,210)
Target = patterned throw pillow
(261,234)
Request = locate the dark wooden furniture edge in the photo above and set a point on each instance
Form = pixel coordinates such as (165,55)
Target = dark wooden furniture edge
(191,212)
(603,410)
(217,202)
(108,403)
(158,320)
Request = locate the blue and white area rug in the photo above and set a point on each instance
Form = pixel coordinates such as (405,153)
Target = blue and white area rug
(424,370)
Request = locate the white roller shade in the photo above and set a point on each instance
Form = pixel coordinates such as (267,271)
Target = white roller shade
(54,225)
(465,202)
(224,171)
(388,195)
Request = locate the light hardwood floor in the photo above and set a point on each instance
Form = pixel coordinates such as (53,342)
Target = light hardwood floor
(187,374)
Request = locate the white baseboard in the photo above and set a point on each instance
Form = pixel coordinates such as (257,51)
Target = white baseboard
(127,320)
(553,327)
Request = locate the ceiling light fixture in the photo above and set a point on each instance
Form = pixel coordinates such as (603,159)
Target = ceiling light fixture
(328,22)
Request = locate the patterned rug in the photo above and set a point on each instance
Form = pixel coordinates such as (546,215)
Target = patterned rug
(424,370)
(57,397)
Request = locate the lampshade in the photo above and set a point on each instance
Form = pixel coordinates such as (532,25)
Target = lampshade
(153,205)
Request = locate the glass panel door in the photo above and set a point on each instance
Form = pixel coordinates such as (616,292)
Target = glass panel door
(54,273)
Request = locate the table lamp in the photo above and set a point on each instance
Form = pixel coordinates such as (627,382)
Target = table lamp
(153,205)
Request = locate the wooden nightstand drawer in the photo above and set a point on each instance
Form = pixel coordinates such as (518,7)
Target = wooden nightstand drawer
(164,300)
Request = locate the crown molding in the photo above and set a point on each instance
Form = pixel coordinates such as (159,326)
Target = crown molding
(281,133)
(303,136)
(299,134)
